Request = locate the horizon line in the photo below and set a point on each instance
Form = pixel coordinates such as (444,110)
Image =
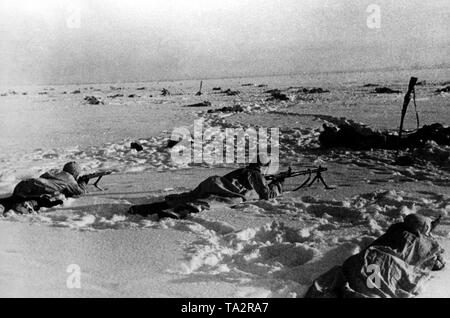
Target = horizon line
(389,68)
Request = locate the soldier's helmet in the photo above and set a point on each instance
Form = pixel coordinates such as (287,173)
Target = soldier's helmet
(73,168)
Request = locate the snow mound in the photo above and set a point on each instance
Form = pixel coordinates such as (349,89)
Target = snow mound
(260,253)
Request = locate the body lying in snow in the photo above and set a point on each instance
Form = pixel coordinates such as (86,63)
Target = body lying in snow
(46,191)
(394,266)
(242,184)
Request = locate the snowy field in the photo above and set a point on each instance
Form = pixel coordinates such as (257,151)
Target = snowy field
(270,248)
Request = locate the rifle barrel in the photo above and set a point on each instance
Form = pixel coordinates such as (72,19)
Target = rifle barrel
(436,222)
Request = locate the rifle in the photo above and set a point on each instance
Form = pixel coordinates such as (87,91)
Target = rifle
(307,183)
(99,175)
(435,223)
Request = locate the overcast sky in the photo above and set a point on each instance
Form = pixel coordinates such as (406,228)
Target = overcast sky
(138,40)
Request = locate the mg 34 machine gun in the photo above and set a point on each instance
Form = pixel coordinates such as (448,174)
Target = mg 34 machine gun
(316,172)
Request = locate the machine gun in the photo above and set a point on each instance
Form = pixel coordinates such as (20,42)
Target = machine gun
(317,172)
(99,175)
